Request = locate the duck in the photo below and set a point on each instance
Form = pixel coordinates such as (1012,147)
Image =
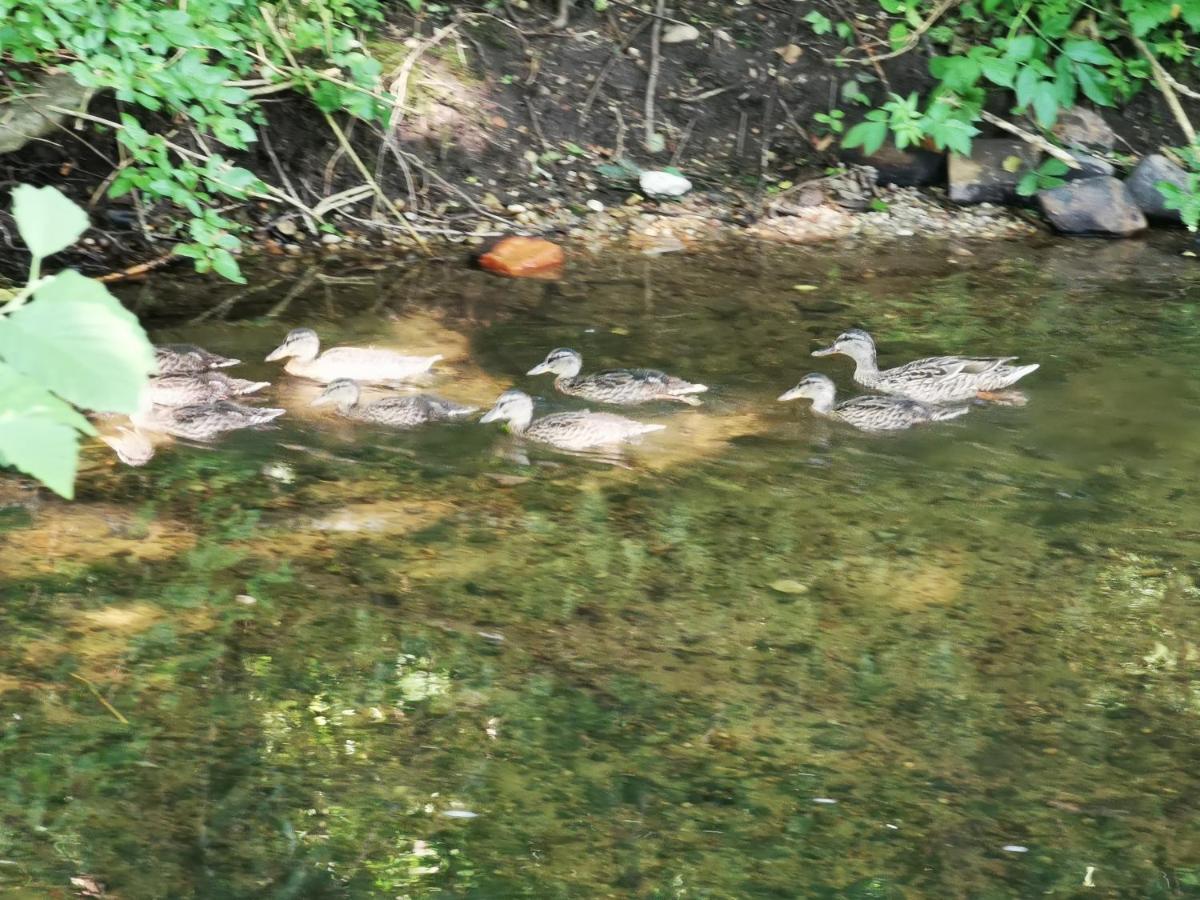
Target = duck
(370,365)
(619,387)
(203,421)
(401,412)
(579,430)
(870,412)
(936,379)
(187,359)
(199,387)
(131,446)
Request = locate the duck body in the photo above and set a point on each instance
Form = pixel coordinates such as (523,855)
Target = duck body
(204,421)
(581,430)
(199,387)
(869,412)
(935,379)
(368,365)
(398,412)
(188,359)
(618,387)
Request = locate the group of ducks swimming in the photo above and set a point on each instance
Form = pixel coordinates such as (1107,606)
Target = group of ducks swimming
(192,398)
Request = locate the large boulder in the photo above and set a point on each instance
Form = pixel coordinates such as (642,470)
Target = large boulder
(1089,166)
(990,174)
(1101,205)
(1142,185)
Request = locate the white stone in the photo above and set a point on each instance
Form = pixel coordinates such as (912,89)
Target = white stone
(663,184)
(595,206)
(680,34)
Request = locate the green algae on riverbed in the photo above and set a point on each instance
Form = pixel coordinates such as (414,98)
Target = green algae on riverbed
(331,657)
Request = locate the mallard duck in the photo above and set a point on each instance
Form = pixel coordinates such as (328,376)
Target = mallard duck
(185,359)
(200,387)
(203,421)
(620,387)
(869,412)
(401,412)
(936,379)
(131,446)
(568,430)
(366,364)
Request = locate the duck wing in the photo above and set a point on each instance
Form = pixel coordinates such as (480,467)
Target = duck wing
(581,430)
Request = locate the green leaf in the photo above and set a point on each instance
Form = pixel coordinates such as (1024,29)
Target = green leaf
(1021,48)
(47,220)
(38,432)
(869,135)
(1054,168)
(999,70)
(898,35)
(1090,52)
(1094,85)
(1027,85)
(1028,185)
(77,340)
(225,264)
(1046,104)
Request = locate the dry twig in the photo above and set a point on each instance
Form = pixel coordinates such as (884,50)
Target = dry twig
(1032,139)
(652,80)
(1163,81)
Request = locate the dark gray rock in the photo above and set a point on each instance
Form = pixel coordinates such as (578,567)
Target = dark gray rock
(903,168)
(1081,127)
(990,174)
(1092,166)
(1141,184)
(1099,205)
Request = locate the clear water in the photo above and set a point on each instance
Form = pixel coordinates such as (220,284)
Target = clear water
(767,657)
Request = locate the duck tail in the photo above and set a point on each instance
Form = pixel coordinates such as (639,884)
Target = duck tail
(249,387)
(648,427)
(686,387)
(1016,373)
(945,413)
(269,414)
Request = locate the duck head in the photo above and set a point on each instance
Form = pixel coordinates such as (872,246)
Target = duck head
(514,407)
(817,388)
(563,362)
(300,342)
(342,392)
(855,343)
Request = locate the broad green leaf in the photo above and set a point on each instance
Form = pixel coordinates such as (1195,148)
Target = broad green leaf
(1090,52)
(868,135)
(225,264)
(76,339)
(1046,104)
(1054,168)
(38,432)
(47,220)
(999,70)
(1020,48)
(1094,85)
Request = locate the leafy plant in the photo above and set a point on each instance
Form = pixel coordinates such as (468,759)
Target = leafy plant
(201,64)
(1184,199)
(1046,176)
(832,121)
(65,342)
(1041,55)
(819,23)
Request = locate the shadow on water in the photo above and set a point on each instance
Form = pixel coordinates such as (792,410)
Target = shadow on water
(767,657)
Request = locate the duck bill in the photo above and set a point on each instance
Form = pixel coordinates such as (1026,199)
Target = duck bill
(491,415)
(279,352)
(323,400)
(793,394)
(824,351)
(539,369)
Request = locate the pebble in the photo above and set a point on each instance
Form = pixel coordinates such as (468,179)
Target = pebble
(595,205)
(331,239)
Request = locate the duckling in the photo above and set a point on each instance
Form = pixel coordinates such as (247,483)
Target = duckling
(203,421)
(131,446)
(568,430)
(869,412)
(187,359)
(936,379)
(402,412)
(619,387)
(199,387)
(366,364)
